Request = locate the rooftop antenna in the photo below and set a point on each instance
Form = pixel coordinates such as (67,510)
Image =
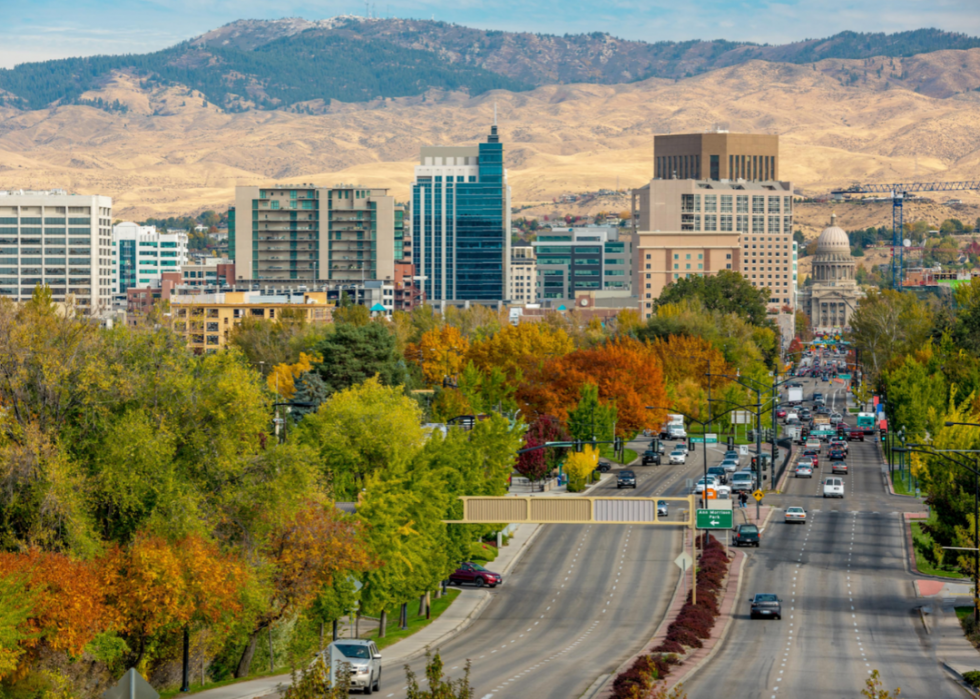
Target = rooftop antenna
(494,113)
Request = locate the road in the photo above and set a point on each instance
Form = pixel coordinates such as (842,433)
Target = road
(576,605)
(848,600)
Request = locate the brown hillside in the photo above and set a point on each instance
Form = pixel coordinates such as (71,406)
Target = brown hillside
(173,155)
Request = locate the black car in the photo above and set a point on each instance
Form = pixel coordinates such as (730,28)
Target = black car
(766,605)
(836,455)
(604,466)
(651,457)
(746,535)
(626,479)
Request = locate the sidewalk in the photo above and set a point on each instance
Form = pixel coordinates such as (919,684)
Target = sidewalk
(457,617)
(952,649)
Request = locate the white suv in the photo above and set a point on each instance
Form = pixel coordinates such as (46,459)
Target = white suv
(833,488)
(364,660)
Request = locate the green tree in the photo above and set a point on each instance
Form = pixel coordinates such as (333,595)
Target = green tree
(727,291)
(361,429)
(590,418)
(353,354)
(886,324)
(439,686)
(354,314)
(916,396)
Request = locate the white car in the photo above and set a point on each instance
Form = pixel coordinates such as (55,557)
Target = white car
(795,514)
(678,457)
(833,488)
(804,470)
(792,416)
(729,466)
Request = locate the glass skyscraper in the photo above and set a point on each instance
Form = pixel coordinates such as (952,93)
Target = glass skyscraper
(461,222)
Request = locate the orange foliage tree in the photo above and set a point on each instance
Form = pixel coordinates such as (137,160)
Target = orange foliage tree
(67,605)
(626,371)
(303,555)
(520,349)
(156,585)
(440,352)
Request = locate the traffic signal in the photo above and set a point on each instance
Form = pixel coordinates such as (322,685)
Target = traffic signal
(578,445)
(690,444)
(731,443)
(618,444)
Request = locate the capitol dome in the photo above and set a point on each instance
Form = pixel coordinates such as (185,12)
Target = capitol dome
(833,239)
(833,262)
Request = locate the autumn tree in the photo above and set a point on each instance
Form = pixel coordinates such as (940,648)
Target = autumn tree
(155,586)
(579,466)
(520,348)
(626,372)
(536,465)
(303,554)
(283,376)
(440,353)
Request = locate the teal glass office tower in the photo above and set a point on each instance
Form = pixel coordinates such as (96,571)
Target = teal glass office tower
(461,223)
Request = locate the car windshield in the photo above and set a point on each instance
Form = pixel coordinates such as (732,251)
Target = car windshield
(625,474)
(351,650)
(749,529)
(766,598)
(476,566)
(795,509)
(661,503)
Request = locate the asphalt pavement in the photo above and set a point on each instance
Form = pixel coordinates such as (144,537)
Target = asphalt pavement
(848,598)
(578,603)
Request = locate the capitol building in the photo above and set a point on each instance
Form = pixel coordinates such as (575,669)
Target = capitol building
(833,295)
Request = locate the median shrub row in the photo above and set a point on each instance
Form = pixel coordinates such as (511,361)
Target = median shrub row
(691,627)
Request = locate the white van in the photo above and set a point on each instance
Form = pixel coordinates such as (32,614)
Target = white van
(833,488)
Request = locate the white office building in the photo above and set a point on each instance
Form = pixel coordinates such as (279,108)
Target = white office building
(140,255)
(58,239)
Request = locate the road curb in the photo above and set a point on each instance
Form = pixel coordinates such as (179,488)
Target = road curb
(724,632)
(958,678)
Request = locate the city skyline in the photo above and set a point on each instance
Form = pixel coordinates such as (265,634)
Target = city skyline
(58,29)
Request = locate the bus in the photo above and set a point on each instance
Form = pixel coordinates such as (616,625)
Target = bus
(866,422)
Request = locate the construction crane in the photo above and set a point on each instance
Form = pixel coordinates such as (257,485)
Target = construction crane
(898,191)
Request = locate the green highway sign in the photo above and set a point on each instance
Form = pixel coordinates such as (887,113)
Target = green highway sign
(712,439)
(820,433)
(714,519)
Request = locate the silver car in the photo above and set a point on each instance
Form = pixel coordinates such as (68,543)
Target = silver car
(364,660)
(662,510)
(678,456)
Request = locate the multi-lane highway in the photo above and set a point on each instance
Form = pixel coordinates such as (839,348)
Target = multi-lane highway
(579,602)
(585,598)
(848,604)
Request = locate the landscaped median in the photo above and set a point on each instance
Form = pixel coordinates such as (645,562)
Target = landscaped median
(689,635)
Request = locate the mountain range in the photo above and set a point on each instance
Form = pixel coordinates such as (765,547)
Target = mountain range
(310,66)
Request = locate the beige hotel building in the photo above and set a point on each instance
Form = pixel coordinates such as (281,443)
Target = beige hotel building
(702,225)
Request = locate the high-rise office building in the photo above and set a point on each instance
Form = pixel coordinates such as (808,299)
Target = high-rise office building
(716,156)
(461,223)
(696,227)
(58,239)
(592,258)
(310,233)
(140,255)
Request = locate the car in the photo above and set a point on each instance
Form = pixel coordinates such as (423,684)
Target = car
(835,455)
(822,410)
(838,443)
(813,455)
(678,456)
(812,443)
(805,414)
(804,470)
(651,457)
(766,605)
(718,472)
(729,465)
(833,488)
(710,480)
(781,413)
(856,433)
(836,418)
(625,479)
(683,446)
(476,574)
(746,535)
(742,482)
(662,510)
(364,660)
(795,514)
(826,378)
(604,466)
(731,454)
(838,467)
(792,417)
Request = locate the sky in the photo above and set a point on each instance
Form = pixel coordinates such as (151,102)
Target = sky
(38,30)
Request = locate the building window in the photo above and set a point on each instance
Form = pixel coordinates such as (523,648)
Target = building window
(710,222)
(726,222)
(742,204)
(758,205)
(726,204)
(711,202)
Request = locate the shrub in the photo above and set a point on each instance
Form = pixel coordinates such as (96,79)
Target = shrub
(484,552)
(669,646)
(972,677)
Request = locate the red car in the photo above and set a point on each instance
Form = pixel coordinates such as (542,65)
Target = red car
(857,433)
(475,574)
(780,413)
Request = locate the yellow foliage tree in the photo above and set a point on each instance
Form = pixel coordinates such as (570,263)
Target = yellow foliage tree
(441,352)
(282,379)
(517,348)
(579,466)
